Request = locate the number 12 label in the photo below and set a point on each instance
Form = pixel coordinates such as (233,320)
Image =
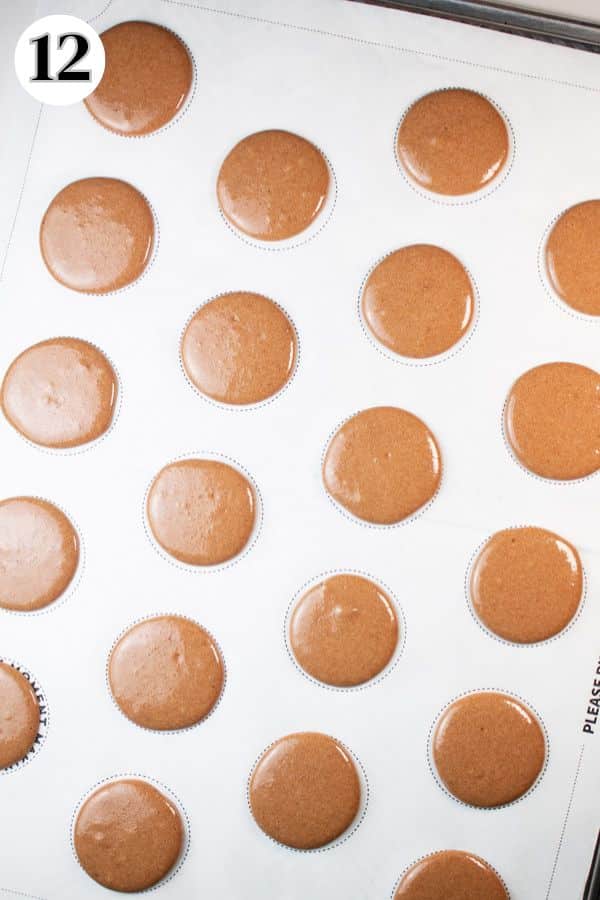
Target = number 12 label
(59,60)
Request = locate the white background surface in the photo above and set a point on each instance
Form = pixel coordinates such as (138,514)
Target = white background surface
(341,75)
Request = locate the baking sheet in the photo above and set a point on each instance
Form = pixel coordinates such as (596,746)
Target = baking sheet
(342,76)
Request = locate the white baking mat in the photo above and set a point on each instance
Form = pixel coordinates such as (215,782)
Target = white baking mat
(341,75)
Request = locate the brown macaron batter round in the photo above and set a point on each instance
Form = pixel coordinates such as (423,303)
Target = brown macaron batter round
(451,875)
(382,465)
(128,835)
(526,584)
(39,553)
(304,791)
(552,420)
(488,748)
(419,301)
(166,673)
(201,511)
(239,348)
(343,631)
(573,257)
(97,235)
(147,78)
(60,393)
(19,716)
(272,185)
(453,142)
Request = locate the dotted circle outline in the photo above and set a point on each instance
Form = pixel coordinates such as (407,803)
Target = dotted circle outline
(183,109)
(425,361)
(149,264)
(528,645)
(549,289)
(44,725)
(365,795)
(381,526)
(73,585)
(312,230)
(241,407)
(215,456)
(88,445)
(398,649)
(433,768)
(168,793)
(425,856)
(101,13)
(558,482)
(459,199)
(15,893)
(215,643)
